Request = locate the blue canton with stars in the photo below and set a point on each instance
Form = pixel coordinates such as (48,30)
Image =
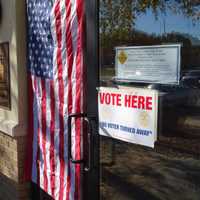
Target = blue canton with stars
(40,41)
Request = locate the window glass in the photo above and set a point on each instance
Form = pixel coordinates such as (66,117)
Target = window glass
(133,23)
(171,169)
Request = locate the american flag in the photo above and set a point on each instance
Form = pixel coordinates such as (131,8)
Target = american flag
(55,77)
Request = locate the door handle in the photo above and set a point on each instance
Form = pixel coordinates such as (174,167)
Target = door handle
(90,143)
(87,159)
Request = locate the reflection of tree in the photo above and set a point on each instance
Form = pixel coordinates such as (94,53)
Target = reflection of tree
(117,17)
(190,53)
(117,20)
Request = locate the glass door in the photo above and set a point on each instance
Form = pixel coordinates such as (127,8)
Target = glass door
(170,170)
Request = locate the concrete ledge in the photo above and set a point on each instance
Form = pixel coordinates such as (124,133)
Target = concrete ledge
(13,129)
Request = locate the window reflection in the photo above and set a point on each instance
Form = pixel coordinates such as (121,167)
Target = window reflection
(170,171)
(131,23)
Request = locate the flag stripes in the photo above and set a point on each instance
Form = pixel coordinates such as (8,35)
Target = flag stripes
(55,91)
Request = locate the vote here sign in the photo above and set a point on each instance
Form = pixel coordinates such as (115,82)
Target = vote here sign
(129,114)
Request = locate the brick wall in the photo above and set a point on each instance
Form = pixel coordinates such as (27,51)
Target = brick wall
(12,153)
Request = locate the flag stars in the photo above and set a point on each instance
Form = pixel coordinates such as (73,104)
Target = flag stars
(40,39)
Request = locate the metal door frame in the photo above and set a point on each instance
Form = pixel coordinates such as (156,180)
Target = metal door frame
(91,188)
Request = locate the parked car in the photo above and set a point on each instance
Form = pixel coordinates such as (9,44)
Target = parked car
(190,78)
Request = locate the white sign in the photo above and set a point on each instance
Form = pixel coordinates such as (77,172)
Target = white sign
(129,114)
(149,64)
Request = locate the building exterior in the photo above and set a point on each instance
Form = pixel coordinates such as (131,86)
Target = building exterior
(115,166)
(13,124)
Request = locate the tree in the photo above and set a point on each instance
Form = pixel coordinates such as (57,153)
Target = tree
(118,16)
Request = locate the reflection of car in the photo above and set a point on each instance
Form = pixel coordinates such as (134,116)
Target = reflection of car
(186,93)
(180,104)
(191,78)
(171,94)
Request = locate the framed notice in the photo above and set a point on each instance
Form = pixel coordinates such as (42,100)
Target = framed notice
(4,76)
(149,64)
(129,114)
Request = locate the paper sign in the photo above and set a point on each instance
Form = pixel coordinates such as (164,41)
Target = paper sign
(149,64)
(129,114)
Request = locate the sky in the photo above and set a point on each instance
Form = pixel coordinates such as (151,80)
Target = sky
(173,23)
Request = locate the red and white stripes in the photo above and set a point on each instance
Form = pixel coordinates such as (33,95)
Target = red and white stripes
(51,101)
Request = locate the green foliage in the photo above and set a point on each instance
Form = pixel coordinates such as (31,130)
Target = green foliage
(117,17)
(117,25)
